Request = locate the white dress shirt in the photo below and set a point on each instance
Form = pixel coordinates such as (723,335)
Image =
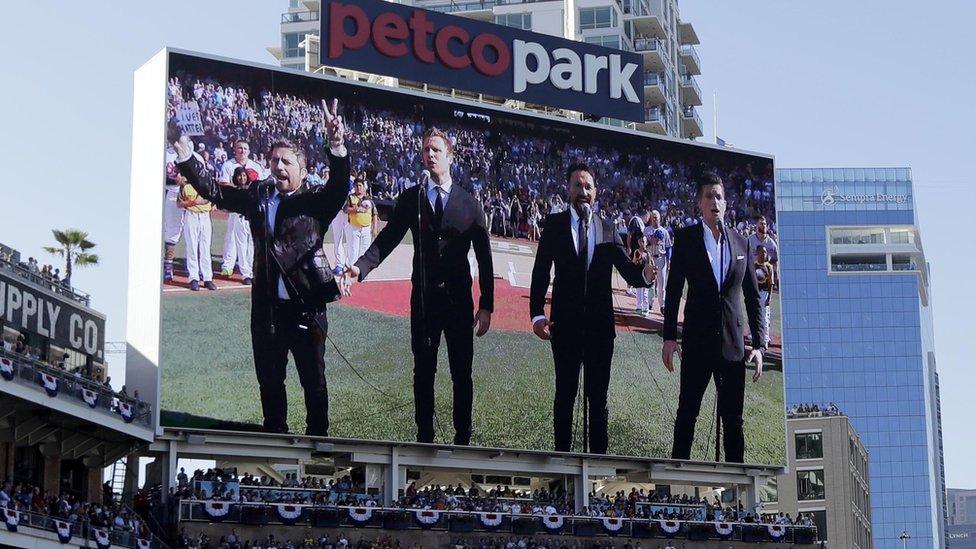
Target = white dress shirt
(574,220)
(444,189)
(715,254)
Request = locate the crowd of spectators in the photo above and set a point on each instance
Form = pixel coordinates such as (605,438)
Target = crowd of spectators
(45,275)
(58,362)
(217,485)
(813,410)
(518,176)
(27,497)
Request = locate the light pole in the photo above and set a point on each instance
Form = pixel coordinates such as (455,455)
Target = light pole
(904,537)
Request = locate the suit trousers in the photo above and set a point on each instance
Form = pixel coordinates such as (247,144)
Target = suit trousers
(697,369)
(430,318)
(569,352)
(301,335)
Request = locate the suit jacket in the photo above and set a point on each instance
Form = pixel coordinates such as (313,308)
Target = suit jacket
(713,316)
(576,310)
(296,240)
(443,256)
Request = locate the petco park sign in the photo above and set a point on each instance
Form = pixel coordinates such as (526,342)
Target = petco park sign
(457,52)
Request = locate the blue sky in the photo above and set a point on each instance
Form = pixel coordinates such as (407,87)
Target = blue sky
(819,84)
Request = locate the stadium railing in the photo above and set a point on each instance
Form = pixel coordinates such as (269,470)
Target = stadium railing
(56,287)
(30,372)
(454,521)
(79,532)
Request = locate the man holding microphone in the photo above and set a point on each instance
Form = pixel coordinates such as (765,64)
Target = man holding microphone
(714,261)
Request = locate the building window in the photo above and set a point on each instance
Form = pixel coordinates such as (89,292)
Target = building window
(289,44)
(516,20)
(810,485)
(769,493)
(868,235)
(809,446)
(607,41)
(873,249)
(820,521)
(597,18)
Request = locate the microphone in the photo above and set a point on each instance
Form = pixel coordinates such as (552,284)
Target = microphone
(587,212)
(720,224)
(425,177)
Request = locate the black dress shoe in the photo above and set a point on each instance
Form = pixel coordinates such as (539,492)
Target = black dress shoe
(247,281)
(209,285)
(194,286)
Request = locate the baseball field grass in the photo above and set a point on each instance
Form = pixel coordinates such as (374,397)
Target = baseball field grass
(208,370)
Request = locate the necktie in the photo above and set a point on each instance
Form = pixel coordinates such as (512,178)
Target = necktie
(584,247)
(438,208)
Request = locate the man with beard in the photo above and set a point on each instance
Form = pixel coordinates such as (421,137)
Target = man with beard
(293,279)
(584,248)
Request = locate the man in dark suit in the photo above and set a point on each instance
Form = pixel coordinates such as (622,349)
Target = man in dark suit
(584,248)
(445,221)
(293,280)
(714,262)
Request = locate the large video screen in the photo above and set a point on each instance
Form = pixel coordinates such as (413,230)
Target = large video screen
(441,219)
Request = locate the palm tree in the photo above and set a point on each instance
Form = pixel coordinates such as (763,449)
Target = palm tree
(73,247)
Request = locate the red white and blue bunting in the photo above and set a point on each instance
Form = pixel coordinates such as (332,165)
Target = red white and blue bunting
(102,538)
(125,410)
(612,525)
(216,510)
(490,520)
(64,530)
(723,529)
(12,518)
(90,397)
(553,523)
(143,543)
(360,515)
(50,384)
(7,368)
(669,527)
(289,514)
(427,518)
(776,532)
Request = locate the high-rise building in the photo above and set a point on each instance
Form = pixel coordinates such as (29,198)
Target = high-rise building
(651,27)
(826,479)
(962,506)
(857,327)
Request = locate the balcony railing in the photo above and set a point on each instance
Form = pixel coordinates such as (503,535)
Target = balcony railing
(691,52)
(324,516)
(691,113)
(648,44)
(67,386)
(60,288)
(299,17)
(82,533)
(654,114)
(653,79)
(689,80)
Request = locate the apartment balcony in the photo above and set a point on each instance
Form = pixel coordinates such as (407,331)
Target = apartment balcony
(689,57)
(654,120)
(472,9)
(654,52)
(687,34)
(645,21)
(691,94)
(691,123)
(299,17)
(655,90)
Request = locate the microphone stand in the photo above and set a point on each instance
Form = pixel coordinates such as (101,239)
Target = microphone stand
(721,279)
(586,268)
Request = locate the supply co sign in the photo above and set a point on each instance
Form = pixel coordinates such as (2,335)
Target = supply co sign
(456,52)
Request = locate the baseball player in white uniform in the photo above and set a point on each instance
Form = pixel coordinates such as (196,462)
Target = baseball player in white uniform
(197,233)
(361,221)
(238,244)
(172,217)
(659,246)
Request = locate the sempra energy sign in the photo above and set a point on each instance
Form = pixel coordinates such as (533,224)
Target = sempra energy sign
(456,52)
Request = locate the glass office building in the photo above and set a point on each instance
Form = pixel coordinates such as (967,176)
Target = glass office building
(858,332)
